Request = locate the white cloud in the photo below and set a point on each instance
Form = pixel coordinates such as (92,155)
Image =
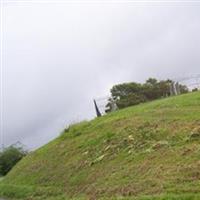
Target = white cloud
(58,58)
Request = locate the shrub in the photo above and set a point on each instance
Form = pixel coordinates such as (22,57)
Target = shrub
(9,158)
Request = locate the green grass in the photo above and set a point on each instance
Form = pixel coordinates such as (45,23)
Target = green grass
(149,151)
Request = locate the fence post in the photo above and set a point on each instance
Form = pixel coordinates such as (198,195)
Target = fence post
(177,88)
(98,113)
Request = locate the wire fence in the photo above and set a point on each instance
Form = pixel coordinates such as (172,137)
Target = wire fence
(192,82)
(101,103)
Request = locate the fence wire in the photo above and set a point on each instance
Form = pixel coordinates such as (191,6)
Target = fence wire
(192,82)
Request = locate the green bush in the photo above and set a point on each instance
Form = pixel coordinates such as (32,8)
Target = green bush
(129,94)
(9,158)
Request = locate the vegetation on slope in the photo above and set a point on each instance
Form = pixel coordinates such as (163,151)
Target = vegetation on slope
(9,157)
(149,151)
(132,93)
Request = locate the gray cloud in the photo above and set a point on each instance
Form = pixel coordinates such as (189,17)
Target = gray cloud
(58,58)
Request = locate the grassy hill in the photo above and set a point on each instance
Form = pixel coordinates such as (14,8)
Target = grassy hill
(149,151)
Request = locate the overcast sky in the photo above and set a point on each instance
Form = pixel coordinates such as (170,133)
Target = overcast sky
(57,57)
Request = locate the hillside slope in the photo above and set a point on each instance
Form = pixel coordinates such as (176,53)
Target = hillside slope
(150,150)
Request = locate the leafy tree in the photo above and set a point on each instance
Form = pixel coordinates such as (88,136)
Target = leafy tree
(125,89)
(183,89)
(128,94)
(152,81)
(195,90)
(129,100)
(9,158)
(154,89)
